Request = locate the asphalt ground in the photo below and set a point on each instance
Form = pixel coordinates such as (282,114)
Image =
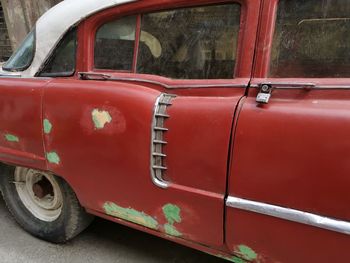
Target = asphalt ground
(103,241)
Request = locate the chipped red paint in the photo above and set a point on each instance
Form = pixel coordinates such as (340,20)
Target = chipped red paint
(113,163)
(20,114)
(218,136)
(293,152)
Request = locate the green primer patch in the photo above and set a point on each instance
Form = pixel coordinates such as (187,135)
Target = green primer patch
(53,157)
(246,253)
(172,215)
(130,215)
(47,126)
(171,230)
(100,118)
(233,259)
(11,138)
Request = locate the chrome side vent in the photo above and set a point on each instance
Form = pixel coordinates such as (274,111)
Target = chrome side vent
(158,167)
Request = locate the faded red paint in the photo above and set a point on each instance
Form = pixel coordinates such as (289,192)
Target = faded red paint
(218,136)
(20,114)
(293,152)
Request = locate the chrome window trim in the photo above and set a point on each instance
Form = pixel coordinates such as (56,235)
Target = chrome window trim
(9,75)
(103,76)
(41,71)
(179,86)
(332,87)
(289,214)
(297,85)
(72,12)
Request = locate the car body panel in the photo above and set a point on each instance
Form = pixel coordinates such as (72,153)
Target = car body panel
(21,124)
(291,153)
(307,173)
(91,131)
(104,169)
(95,130)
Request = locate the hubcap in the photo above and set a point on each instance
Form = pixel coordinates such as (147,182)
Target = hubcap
(40,193)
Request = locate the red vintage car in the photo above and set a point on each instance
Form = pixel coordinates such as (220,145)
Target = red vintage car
(220,125)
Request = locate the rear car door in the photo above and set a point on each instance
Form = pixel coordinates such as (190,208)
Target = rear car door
(289,197)
(143,132)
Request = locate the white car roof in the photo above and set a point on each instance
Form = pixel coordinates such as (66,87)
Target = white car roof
(53,25)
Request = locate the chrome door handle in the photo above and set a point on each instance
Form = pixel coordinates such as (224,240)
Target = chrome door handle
(264,94)
(266,89)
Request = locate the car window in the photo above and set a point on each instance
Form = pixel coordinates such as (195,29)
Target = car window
(63,59)
(24,55)
(115,43)
(312,39)
(190,43)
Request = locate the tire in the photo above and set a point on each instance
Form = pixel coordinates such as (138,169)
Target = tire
(43,204)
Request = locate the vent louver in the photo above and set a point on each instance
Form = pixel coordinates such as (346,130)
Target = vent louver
(158,166)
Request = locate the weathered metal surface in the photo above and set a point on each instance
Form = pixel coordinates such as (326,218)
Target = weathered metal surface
(291,153)
(97,134)
(95,131)
(20,126)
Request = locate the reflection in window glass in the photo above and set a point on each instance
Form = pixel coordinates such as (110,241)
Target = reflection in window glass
(190,43)
(63,59)
(312,39)
(114,44)
(23,57)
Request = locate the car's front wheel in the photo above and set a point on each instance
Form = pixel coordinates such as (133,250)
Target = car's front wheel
(43,204)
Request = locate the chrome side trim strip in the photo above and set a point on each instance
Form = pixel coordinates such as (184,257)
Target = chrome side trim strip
(290,214)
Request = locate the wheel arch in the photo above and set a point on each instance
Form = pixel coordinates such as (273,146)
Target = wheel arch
(4,166)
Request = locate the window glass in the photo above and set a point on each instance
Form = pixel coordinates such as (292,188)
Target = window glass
(312,39)
(62,61)
(190,43)
(24,55)
(114,44)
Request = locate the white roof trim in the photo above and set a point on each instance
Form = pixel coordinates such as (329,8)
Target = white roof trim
(52,26)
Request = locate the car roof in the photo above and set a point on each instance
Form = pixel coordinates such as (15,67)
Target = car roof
(54,24)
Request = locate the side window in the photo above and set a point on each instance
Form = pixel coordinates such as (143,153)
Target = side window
(23,56)
(114,44)
(190,43)
(62,61)
(312,39)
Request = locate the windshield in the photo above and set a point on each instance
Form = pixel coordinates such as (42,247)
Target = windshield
(23,57)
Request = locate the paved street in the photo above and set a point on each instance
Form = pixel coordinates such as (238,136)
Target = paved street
(102,242)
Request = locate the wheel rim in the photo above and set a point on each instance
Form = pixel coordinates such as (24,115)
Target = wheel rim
(40,193)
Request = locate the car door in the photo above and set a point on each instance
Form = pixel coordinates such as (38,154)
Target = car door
(288,190)
(142,133)
(21,110)
(21,125)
